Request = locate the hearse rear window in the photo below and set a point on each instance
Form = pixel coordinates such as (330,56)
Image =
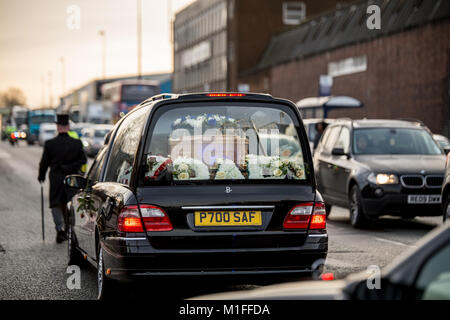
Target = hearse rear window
(223,143)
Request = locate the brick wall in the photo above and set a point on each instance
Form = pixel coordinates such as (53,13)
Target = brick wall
(407,77)
(254,24)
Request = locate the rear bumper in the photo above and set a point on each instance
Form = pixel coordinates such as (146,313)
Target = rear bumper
(136,259)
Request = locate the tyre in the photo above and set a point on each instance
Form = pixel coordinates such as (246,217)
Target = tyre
(446,213)
(105,285)
(73,254)
(327,209)
(357,217)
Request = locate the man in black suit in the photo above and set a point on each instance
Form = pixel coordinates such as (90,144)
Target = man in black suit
(64,155)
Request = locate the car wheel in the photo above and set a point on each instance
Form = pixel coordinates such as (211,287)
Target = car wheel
(104,284)
(357,217)
(74,255)
(446,215)
(327,209)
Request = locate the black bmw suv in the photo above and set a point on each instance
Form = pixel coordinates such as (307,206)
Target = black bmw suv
(218,184)
(380,167)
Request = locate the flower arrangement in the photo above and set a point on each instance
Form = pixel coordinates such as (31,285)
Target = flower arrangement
(266,167)
(124,176)
(204,121)
(189,169)
(255,167)
(227,170)
(156,166)
(297,167)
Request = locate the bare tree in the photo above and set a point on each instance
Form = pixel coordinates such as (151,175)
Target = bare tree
(12,97)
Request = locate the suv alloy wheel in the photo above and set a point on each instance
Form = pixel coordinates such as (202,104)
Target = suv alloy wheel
(357,217)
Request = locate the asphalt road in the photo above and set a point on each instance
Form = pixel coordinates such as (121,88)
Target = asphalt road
(33,269)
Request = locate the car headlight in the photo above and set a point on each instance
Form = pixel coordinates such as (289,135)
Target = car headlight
(382,178)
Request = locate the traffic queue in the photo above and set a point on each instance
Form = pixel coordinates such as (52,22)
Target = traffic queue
(227,183)
(233,185)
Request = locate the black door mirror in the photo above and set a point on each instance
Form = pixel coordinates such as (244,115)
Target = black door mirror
(75,181)
(338,152)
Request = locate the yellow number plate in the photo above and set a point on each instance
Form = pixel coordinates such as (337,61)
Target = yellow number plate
(227,218)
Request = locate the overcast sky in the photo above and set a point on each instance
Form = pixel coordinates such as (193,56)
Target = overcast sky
(35,34)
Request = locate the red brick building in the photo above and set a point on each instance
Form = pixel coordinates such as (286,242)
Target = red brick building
(216,40)
(405,65)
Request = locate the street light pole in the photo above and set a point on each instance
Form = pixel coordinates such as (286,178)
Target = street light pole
(103,35)
(43,91)
(171,36)
(139,38)
(50,95)
(63,75)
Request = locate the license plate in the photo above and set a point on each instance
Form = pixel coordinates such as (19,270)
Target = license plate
(424,199)
(227,218)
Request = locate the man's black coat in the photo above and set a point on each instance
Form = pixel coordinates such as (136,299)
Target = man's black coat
(64,155)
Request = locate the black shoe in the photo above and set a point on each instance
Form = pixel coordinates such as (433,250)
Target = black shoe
(60,236)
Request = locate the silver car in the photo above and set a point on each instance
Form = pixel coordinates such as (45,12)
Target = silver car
(93,138)
(47,131)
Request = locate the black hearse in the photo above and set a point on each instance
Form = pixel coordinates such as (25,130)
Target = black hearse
(200,185)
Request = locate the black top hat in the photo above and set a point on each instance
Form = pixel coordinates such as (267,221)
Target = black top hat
(62,119)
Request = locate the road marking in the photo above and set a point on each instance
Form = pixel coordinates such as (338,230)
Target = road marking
(395,242)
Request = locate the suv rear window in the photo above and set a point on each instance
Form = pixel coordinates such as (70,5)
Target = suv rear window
(214,143)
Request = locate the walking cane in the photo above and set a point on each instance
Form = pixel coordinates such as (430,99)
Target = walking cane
(42,211)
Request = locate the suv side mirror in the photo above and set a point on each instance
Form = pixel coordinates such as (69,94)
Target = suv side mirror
(75,181)
(339,152)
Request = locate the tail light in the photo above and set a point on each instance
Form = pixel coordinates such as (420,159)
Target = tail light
(300,216)
(318,218)
(129,220)
(154,218)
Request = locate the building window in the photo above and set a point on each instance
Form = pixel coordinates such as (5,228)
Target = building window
(294,12)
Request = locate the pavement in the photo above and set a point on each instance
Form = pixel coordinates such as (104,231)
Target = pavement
(31,268)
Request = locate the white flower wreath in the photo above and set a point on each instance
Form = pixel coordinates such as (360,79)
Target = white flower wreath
(228,170)
(189,169)
(266,167)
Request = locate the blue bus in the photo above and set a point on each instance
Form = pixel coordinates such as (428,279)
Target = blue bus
(34,120)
